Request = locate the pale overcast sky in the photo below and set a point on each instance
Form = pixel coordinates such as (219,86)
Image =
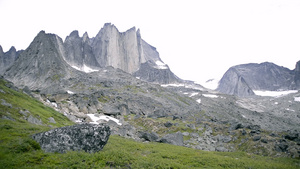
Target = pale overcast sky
(198,39)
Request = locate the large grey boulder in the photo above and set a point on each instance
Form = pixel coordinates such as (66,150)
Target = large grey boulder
(174,138)
(87,137)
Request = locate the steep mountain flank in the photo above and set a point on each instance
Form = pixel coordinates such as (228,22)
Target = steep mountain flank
(41,65)
(263,76)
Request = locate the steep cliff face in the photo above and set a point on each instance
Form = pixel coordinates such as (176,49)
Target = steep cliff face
(120,50)
(41,65)
(7,59)
(234,84)
(79,53)
(263,76)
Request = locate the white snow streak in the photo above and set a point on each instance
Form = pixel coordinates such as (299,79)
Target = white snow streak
(70,92)
(103,117)
(274,93)
(193,94)
(85,69)
(198,100)
(210,95)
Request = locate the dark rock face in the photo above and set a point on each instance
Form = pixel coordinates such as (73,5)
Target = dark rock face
(87,137)
(240,80)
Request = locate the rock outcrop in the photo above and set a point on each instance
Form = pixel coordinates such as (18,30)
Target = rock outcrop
(87,137)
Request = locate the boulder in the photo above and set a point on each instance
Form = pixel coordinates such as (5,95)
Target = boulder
(174,138)
(148,136)
(87,137)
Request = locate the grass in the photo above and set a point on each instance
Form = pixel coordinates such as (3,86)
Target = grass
(18,150)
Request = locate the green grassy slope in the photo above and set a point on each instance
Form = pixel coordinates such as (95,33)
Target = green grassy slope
(18,150)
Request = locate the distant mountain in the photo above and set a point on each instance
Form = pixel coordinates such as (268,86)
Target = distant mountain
(241,80)
(7,58)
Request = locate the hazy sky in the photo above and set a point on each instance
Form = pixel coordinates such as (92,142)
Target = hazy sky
(198,39)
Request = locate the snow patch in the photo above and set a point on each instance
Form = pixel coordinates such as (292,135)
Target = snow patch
(198,100)
(138,77)
(172,85)
(290,109)
(161,65)
(85,69)
(70,92)
(103,117)
(54,104)
(297,99)
(276,103)
(193,94)
(210,95)
(274,93)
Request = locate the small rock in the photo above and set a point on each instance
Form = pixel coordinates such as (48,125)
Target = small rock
(264,140)
(185,133)
(221,149)
(51,120)
(149,136)
(243,132)
(281,147)
(4,103)
(168,124)
(256,138)
(34,120)
(2,91)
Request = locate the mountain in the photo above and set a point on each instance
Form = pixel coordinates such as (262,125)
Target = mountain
(41,65)
(124,50)
(8,58)
(241,80)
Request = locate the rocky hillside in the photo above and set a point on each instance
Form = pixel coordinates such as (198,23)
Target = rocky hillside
(241,80)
